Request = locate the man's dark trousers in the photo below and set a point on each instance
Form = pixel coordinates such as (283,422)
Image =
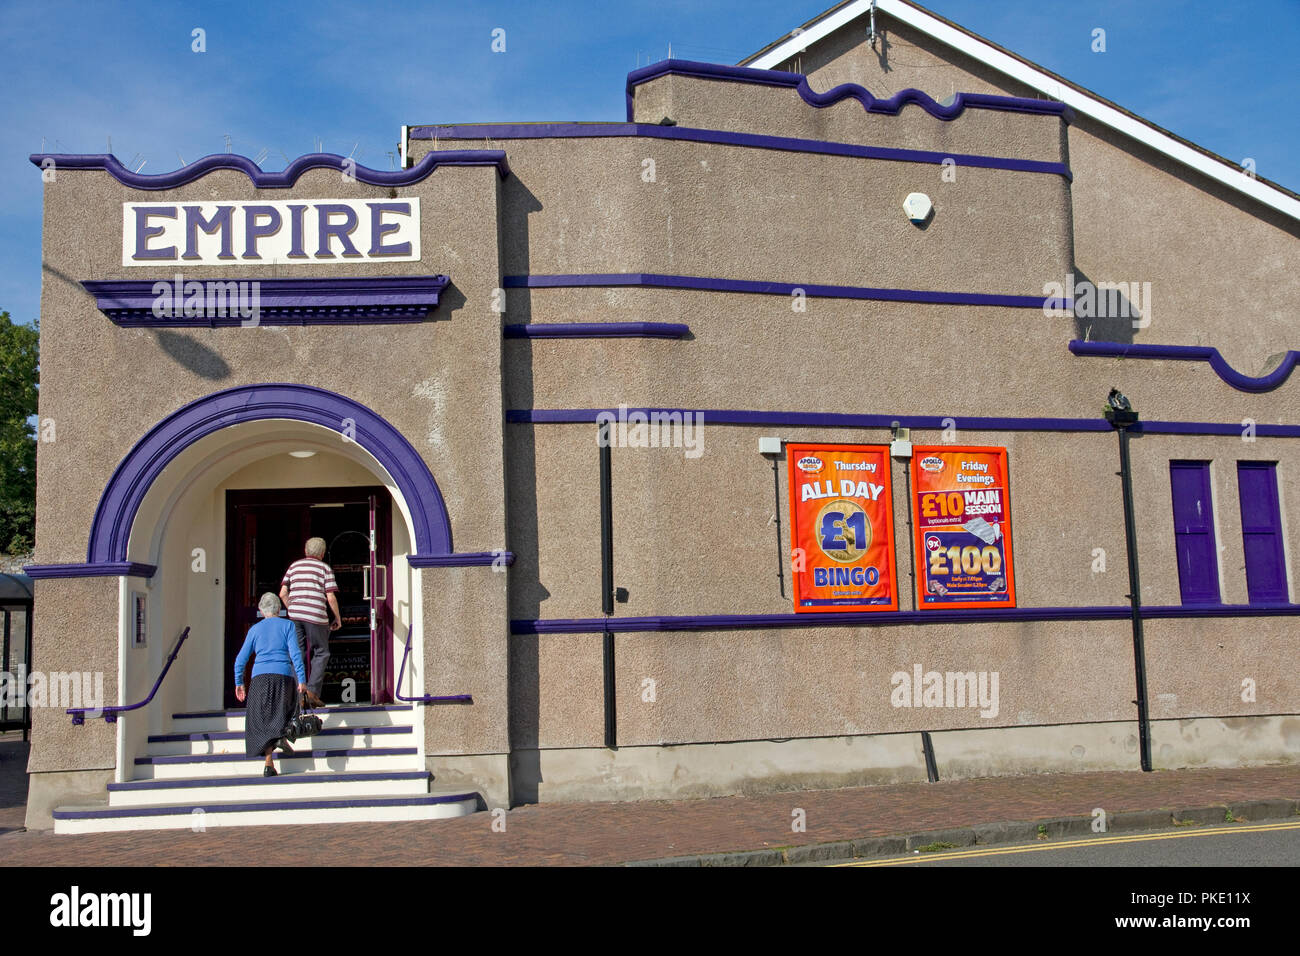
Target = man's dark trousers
(317,638)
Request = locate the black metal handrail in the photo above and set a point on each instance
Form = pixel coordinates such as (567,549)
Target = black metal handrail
(425,699)
(79,714)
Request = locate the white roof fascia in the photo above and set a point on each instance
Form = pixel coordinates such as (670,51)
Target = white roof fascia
(1230,176)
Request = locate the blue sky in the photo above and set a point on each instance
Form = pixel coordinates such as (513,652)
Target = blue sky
(281,76)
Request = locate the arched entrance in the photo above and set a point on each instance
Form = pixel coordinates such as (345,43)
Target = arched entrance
(351,421)
(298,451)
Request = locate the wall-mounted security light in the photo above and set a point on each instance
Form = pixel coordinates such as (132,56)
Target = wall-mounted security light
(769,446)
(918,207)
(1118,411)
(900,445)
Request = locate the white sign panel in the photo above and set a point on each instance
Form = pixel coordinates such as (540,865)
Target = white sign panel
(285,232)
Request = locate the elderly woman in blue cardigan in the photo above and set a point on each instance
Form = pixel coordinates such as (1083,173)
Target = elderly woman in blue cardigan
(270,693)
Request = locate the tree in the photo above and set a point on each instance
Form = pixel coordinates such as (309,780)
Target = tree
(19,374)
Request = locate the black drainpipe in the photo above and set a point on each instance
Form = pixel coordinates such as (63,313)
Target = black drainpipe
(607,581)
(1122,418)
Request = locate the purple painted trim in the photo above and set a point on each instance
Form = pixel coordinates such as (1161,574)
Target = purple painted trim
(103,569)
(751,622)
(728,138)
(226,758)
(332,709)
(282,180)
(729,416)
(182,783)
(293,301)
(342,803)
(79,714)
(799,82)
(1194,353)
(464,559)
(598,330)
(656,280)
(111,529)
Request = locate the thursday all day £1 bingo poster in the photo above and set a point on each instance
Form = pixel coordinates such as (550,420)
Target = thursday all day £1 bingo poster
(842,528)
(961,514)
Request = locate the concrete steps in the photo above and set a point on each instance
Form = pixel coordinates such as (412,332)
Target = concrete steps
(364,766)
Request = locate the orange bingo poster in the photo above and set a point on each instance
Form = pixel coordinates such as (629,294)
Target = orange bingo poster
(962,518)
(842,528)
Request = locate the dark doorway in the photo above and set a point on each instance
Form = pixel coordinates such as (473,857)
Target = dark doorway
(265,533)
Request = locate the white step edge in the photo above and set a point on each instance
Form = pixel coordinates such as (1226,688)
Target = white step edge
(212,816)
(284,787)
(360,737)
(330,717)
(300,764)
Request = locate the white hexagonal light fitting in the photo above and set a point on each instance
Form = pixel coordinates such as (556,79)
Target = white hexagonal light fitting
(918,207)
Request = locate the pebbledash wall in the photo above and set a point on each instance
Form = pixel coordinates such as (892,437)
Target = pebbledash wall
(653,264)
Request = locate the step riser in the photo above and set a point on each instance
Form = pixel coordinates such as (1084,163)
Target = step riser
(242,768)
(199,725)
(253,818)
(176,748)
(267,792)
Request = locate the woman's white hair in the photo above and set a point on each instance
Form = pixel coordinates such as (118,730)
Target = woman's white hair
(315,548)
(269,605)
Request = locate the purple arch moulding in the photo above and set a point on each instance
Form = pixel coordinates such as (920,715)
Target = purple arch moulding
(111,529)
(284,179)
(799,82)
(1194,353)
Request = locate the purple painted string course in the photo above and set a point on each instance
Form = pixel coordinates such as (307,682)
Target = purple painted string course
(764,287)
(732,416)
(871,104)
(597,330)
(285,179)
(729,138)
(973,615)
(1194,353)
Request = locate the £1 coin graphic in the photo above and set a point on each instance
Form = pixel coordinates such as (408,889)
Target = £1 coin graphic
(843,531)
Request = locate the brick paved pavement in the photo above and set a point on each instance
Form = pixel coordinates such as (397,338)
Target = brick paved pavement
(607,833)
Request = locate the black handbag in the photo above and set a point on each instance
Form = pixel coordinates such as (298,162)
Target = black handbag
(300,724)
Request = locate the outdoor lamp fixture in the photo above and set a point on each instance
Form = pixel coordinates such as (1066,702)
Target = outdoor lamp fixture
(1119,412)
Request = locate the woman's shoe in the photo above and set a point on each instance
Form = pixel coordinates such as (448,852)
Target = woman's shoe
(269,772)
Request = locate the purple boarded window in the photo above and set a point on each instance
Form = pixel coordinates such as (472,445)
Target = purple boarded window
(1198,560)
(1261,532)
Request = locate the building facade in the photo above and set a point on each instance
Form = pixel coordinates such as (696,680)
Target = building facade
(538,361)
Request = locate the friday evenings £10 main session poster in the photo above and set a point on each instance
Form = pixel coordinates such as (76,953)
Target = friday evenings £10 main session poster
(842,528)
(962,519)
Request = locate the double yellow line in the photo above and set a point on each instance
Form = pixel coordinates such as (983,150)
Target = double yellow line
(1068,844)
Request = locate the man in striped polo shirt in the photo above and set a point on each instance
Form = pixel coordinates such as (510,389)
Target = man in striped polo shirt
(307,591)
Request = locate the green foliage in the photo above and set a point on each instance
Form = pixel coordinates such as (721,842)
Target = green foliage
(936,847)
(19,372)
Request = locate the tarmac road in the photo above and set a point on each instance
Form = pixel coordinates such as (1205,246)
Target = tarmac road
(1227,844)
